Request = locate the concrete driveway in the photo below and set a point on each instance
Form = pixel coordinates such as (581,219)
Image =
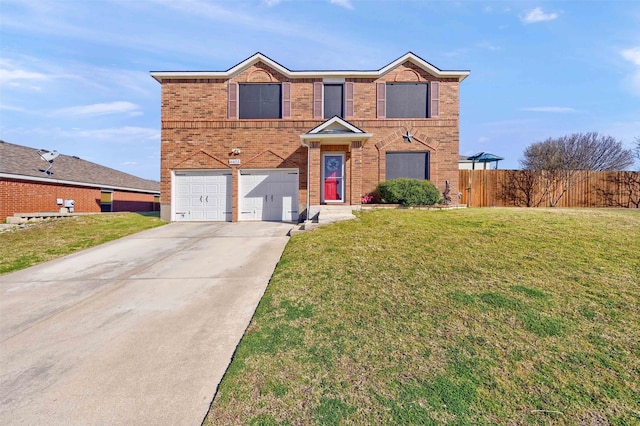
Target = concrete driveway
(136,331)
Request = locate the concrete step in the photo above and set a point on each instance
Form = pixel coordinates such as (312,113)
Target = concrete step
(329,213)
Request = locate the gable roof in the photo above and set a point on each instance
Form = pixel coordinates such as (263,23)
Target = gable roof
(22,162)
(259,57)
(336,125)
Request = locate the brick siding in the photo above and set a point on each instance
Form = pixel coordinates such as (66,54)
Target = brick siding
(17,196)
(197,133)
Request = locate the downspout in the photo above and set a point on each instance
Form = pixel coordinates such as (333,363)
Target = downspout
(307,216)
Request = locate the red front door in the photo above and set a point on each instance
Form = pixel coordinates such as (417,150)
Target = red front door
(333,171)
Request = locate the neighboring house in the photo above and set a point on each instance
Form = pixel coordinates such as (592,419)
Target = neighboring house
(261,142)
(27,187)
(479,161)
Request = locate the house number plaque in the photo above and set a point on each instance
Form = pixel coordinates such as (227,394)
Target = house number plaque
(234,161)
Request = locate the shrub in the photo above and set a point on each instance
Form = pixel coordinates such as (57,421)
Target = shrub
(408,192)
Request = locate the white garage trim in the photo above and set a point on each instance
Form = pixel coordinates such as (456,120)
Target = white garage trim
(201,195)
(268,194)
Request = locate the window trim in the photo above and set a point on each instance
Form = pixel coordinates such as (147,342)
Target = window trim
(427,163)
(280,101)
(421,84)
(324,99)
(106,203)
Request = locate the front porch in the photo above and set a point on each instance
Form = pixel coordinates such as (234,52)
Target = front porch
(334,173)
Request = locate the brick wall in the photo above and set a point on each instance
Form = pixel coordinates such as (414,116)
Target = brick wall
(196,133)
(18,196)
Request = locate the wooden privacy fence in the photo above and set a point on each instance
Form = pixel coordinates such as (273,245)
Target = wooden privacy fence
(526,188)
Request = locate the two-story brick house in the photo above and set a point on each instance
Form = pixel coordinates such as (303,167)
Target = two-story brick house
(261,142)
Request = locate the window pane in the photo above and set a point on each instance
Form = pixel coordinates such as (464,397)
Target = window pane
(333,100)
(106,197)
(260,100)
(407,164)
(407,100)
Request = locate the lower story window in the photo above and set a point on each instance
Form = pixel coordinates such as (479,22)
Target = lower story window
(106,201)
(413,165)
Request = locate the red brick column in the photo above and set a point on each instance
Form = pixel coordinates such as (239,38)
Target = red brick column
(356,173)
(314,173)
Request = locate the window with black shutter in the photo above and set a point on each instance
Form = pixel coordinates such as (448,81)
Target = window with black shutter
(261,100)
(406,100)
(333,100)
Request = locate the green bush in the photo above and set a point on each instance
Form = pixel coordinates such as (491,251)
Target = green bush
(408,192)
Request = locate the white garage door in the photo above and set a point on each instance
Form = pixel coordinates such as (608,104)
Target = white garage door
(269,195)
(203,196)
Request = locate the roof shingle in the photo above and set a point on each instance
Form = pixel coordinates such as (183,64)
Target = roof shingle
(25,161)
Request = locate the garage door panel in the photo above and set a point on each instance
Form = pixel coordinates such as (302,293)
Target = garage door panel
(203,196)
(270,195)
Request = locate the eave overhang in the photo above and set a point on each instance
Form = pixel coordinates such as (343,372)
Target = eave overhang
(335,131)
(259,57)
(12,176)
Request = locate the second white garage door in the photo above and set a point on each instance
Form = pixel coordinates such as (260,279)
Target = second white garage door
(270,195)
(203,196)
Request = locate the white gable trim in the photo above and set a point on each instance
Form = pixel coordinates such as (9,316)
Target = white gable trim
(335,74)
(335,122)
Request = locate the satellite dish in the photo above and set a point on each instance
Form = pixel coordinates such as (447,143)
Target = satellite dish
(48,157)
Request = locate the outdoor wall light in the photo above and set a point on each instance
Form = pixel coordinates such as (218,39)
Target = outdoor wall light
(236,151)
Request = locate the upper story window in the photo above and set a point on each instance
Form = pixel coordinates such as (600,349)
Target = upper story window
(333,100)
(260,100)
(407,100)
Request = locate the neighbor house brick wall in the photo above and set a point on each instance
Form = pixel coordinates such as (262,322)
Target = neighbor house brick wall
(197,133)
(21,196)
(18,196)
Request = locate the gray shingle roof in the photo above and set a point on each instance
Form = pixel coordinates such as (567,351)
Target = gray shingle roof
(25,161)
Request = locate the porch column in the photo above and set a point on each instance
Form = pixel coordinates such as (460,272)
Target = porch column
(314,173)
(356,173)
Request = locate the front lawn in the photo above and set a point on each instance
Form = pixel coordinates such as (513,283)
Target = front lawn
(473,316)
(42,241)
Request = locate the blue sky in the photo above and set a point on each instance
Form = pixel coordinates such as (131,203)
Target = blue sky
(74,74)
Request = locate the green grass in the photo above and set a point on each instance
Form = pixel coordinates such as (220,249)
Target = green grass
(42,241)
(475,316)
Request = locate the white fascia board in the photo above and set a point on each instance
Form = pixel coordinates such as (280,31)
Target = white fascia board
(460,75)
(259,57)
(70,182)
(346,136)
(334,120)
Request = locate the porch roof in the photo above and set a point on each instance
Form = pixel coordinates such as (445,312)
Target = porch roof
(334,131)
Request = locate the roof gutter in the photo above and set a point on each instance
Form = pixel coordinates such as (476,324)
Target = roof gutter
(69,182)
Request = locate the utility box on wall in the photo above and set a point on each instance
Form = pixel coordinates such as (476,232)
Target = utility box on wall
(69,204)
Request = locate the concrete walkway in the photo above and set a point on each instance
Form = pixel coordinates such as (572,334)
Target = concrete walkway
(136,331)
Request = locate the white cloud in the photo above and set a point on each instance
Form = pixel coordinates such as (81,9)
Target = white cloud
(633,80)
(488,46)
(272,2)
(537,15)
(129,163)
(11,108)
(14,76)
(120,107)
(549,109)
(125,134)
(343,3)
(632,55)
